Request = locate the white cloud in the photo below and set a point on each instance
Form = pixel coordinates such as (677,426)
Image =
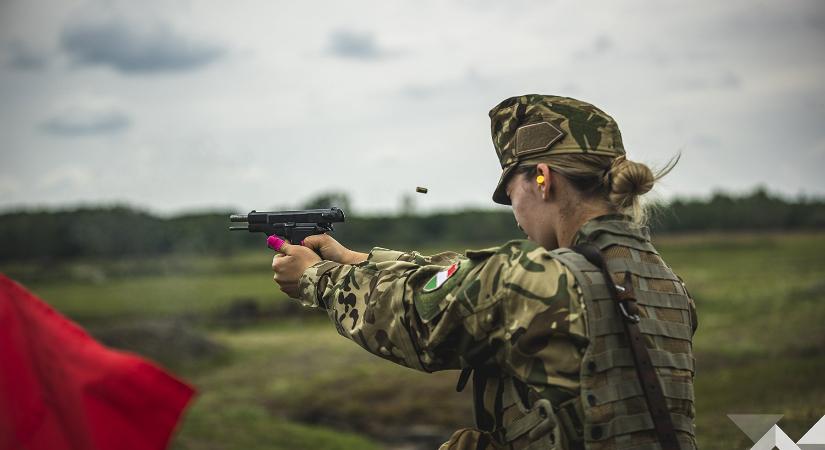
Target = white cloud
(9,186)
(22,56)
(282,117)
(356,45)
(84,115)
(66,177)
(134,49)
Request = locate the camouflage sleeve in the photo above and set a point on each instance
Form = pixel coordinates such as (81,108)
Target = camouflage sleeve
(371,303)
(379,254)
(499,306)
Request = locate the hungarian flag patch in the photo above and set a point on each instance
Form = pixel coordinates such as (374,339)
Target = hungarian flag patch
(440,278)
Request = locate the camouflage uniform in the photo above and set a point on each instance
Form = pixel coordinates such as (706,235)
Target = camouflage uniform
(552,369)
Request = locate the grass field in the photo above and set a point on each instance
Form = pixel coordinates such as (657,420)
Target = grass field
(274,376)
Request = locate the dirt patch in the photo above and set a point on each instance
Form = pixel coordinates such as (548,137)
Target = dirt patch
(248,311)
(408,411)
(172,343)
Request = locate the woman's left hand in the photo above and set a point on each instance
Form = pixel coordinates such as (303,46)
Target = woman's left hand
(289,264)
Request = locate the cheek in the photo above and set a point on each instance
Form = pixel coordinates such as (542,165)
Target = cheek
(521,210)
(523,201)
(518,209)
(517,215)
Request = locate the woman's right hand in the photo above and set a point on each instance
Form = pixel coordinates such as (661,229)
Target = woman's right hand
(332,250)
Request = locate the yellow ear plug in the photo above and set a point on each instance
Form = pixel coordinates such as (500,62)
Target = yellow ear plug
(540,179)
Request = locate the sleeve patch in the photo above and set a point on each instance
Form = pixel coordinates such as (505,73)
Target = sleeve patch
(440,278)
(432,298)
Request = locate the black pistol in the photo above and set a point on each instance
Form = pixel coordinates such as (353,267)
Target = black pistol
(294,226)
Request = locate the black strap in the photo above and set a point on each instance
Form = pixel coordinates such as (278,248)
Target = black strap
(463,378)
(625,301)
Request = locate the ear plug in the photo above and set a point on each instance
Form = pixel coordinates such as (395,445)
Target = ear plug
(540,179)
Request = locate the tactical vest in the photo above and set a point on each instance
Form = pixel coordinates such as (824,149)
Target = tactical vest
(610,411)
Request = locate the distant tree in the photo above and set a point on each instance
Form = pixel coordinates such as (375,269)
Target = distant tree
(119,231)
(407,205)
(329,200)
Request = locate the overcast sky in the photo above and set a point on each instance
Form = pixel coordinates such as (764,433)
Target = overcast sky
(190,105)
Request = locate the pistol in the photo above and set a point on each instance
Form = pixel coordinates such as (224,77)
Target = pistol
(294,226)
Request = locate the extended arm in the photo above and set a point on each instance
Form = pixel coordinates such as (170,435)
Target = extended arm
(512,306)
(373,303)
(331,250)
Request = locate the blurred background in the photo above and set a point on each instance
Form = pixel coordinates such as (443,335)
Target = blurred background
(130,130)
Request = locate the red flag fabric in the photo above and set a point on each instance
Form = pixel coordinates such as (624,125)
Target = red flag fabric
(61,389)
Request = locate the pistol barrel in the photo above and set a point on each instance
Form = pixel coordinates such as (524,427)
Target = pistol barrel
(294,225)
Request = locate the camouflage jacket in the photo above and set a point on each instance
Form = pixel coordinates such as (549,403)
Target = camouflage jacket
(512,306)
(515,308)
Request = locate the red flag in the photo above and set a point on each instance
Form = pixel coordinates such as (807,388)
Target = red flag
(60,389)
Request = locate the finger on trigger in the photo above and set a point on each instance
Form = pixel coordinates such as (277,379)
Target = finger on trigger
(276,243)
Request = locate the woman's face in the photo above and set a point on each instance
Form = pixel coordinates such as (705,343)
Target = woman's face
(525,199)
(533,206)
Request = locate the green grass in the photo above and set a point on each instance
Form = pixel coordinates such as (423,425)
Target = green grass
(307,373)
(756,295)
(157,296)
(791,386)
(105,291)
(296,384)
(213,424)
(761,337)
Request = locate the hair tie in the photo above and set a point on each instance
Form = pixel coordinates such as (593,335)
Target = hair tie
(607,176)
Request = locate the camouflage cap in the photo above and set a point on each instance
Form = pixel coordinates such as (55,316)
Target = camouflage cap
(528,128)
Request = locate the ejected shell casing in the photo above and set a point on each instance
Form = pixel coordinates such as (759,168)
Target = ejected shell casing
(421,190)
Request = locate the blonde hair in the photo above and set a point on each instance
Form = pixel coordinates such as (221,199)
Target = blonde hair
(617,181)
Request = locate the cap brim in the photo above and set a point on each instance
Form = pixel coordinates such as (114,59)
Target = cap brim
(500,194)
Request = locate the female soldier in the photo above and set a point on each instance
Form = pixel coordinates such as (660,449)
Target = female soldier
(560,358)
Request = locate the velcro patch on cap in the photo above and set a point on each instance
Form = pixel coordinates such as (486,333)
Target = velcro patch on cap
(536,137)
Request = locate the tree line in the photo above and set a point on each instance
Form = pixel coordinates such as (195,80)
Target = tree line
(118,231)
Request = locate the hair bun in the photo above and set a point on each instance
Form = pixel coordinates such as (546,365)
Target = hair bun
(628,179)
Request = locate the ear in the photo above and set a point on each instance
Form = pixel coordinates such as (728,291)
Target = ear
(544,171)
